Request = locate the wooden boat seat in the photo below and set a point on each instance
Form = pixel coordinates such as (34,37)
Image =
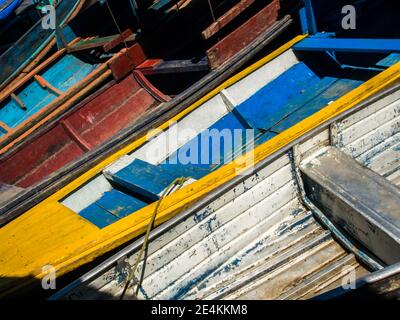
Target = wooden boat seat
(360,201)
(111,207)
(146,180)
(106,43)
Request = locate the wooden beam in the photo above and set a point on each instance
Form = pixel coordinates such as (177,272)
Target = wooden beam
(224,20)
(241,37)
(126,61)
(5,127)
(349,45)
(106,43)
(173,66)
(18,101)
(44,84)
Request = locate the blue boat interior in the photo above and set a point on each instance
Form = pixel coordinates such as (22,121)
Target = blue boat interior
(305,88)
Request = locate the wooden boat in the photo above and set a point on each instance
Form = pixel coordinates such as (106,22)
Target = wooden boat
(33,46)
(7,8)
(319,211)
(65,135)
(113,202)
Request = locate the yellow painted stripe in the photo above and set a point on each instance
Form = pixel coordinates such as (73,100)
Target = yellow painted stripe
(52,234)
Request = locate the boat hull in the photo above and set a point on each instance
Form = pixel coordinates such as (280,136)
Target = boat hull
(257,236)
(28,157)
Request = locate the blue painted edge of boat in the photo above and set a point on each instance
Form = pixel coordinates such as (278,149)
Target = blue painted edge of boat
(9,9)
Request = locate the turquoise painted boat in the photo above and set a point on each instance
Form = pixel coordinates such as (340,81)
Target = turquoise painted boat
(36,42)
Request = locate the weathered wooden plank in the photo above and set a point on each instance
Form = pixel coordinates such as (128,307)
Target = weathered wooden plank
(173,66)
(106,43)
(126,61)
(243,35)
(224,20)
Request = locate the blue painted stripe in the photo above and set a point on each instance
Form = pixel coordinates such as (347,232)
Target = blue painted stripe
(266,105)
(348,45)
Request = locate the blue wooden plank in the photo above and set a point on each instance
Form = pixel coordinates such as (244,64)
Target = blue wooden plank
(120,204)
(390,60)
(111,207)
(98,216)
(348,45)
(143,178)
(33,96)
(211,148)
(332,93)
(7,7)
(310,17)
(259,109)
(67,72)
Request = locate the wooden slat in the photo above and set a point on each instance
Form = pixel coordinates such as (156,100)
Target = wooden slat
(152,90)
(4,126)
(106,43)
(74,135)
(244,35)
(20,103)
(173,66)
(126,61)
(45,84)
(226,18)
(126,36)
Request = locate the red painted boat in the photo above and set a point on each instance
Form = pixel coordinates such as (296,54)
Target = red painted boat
(129,105)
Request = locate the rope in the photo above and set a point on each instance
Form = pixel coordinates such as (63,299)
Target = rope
(116,23)
(120,33)
(177,182)
(211,10)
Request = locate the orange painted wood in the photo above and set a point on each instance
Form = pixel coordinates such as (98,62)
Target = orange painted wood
(45,84)
(4,126)
(18,101)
